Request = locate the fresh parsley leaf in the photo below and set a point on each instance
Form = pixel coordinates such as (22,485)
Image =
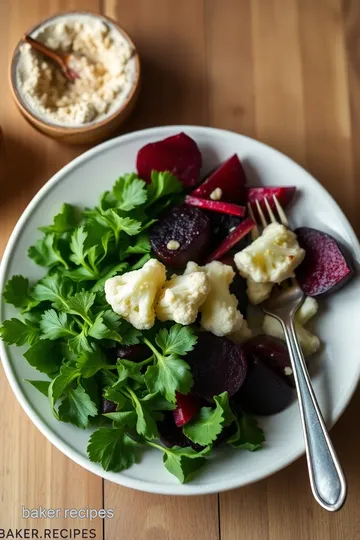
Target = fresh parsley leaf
(76,407)
(41,386)
(90,362)
(162,185)
(117,397)
(122,418)
(53,288)
(109,272)
(45,252)
(79,343)
(63,222)
(17,292)
(142,245)
(80,304)
(129,192)
(157,402)
(77,246)
(56,325)
(140,263)
(208,424)
(81,274)
(45,356)
(99,330)
(169,374)
(129,370)
(111,220)
(178,340)
(15,332)
(182,462)
(249,435)
(113,448)
(58,386)
(129,334)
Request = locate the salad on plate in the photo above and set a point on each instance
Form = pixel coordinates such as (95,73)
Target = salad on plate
(143,327)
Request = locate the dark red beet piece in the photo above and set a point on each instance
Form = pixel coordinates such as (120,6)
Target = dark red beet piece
(284,194)
(187,406)
(274,353)
(187,225)
(216,206)
(107,406)
(326,267)
(178,154)
(232,239)
(230,178)
(135,353)
(218,365)
(221,225)
(264,392)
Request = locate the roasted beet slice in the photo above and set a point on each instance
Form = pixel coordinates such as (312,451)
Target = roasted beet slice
(326,267)
(107,406)
(284,194)
(229,178)
(187,406)
(216,206)
(187,226)
(264,392)
(135,353)
(274,353)
(232,239)
(178,154)
(218,365)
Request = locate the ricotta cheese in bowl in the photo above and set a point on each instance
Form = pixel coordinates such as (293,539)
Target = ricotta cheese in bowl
(102,56)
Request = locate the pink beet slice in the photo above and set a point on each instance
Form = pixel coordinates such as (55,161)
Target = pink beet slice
(217,365)
(283,195)
(232,239)
(326,267)
(216,206)
(187,406)
(178,154)
(230,178)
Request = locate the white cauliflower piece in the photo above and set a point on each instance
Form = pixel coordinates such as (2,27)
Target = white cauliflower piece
(309,342)
(258,292)
(241,333)
(272,257)
(219,311)
(182,296)
(133,294)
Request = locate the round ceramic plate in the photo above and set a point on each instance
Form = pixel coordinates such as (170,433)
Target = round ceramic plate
(336,369)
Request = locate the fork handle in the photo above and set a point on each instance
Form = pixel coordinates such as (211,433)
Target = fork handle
(327,479)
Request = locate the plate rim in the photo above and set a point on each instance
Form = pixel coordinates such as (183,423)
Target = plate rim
(56,440)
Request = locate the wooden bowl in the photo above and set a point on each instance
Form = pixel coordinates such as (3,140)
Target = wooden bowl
(89,133)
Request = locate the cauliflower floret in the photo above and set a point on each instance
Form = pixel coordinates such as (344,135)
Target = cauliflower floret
(133,294)
(182,296)
(258,292)
(308,341)
(241,333)
(219,311)
(272,257)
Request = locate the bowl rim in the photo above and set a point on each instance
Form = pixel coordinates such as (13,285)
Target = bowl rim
(64,445)
(50,127)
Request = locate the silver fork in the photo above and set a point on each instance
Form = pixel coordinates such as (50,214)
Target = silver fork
(327,479)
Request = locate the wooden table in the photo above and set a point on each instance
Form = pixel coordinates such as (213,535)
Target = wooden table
(284,71)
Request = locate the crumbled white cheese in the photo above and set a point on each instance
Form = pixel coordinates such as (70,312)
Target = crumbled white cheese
(133,294)
(288,371)
(272,257)
(216,194)
(219,313)
(258,292)
(173,245)
(101,55)
(308,341)
(181,297)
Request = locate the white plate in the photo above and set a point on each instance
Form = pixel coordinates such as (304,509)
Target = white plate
(81,183)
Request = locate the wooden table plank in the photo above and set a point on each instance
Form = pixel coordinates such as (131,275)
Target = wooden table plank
(33,472)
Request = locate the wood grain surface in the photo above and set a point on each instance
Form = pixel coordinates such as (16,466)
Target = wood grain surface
(284,71)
